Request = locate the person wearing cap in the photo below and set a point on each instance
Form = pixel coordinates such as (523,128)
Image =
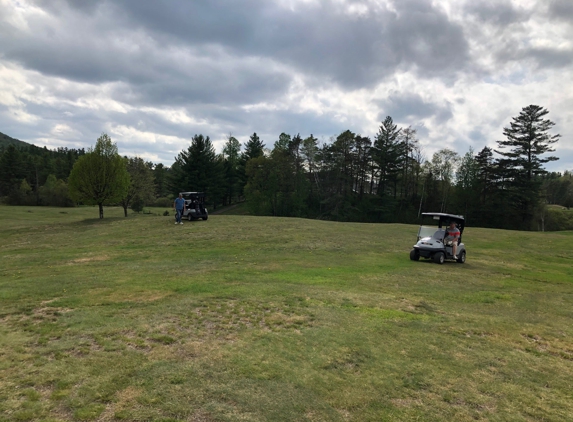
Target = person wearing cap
(452,238)
(179,207)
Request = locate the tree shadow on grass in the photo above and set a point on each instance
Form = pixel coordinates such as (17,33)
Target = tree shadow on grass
(96,221)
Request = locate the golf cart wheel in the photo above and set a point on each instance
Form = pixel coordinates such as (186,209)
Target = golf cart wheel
(205,218)
(439,258)
(414,255)
(462,257)
(189,217)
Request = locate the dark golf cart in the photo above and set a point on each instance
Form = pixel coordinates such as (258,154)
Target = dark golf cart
(431,241)
(195,206)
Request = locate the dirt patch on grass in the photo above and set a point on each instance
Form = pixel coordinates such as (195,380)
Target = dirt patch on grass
(43,314)
(51,312)
(88,259)
(552,346)
(200,416)
(144,296)
(224,317)
(193,327)
(125,399)
(406,403)
(110,295)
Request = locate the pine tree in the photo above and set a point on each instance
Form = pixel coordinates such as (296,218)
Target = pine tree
(527,140)
(387,154)
(231,154)
(199,169)
(11,173)
(253,148)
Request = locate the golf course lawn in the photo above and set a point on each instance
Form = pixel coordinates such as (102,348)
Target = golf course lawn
(276,319)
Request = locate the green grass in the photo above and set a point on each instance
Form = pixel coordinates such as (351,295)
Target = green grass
(236,209)
(262,319)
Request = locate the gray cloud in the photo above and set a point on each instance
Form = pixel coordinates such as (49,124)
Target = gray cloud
(497,12)
(128,66)
(549,57)
(505,31)
(411,108)
(319,39)
(561,9)
(540,57)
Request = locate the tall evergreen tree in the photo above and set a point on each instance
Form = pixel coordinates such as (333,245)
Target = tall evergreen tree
(409,142)
(466,198)
(231,154)
(160,180)
(11,171)
(443,167)
(199,169)
(387,154)
(486,174)
(309,153)
(262,188)
(253,148)
(362,162)
(527,140)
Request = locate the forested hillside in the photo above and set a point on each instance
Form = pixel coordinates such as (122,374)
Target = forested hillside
(30,175)
(5,140)
(386,178)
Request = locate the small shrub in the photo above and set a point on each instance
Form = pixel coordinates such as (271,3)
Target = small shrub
(137,204)
(166,213)
(161,202)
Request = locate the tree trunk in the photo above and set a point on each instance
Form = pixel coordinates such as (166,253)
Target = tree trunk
(124,211)
(37,188)
(100,210)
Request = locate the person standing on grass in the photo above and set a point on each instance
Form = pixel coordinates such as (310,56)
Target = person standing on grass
(179,207)
(452,238)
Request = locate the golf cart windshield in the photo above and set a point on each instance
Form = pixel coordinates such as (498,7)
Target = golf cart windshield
(428,231)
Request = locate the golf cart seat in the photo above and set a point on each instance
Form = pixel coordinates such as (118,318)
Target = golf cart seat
(439,235)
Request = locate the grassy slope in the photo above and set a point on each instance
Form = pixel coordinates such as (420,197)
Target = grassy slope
(244,318)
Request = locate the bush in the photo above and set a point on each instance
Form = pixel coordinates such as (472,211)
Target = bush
(161,202)
(23,195)
(166,214)
(55,193)
(559,219)
(137,204)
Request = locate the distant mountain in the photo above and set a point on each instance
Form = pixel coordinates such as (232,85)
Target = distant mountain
(5,140)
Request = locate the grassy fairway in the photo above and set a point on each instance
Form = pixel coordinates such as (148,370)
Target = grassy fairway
(245,318)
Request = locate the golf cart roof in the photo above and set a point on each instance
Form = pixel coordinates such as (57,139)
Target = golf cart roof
(193,193)
(444,217)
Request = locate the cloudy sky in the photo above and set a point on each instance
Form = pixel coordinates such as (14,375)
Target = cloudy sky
(153,73)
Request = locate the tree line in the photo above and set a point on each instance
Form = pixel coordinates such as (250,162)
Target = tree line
(386,178)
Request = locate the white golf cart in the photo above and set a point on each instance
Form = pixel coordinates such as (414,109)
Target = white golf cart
(431,241)
(194,206)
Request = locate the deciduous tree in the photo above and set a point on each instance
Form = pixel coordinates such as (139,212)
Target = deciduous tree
(100,176)
(141,183)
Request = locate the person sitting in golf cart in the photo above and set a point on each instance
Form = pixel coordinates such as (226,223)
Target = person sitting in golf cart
(452,238)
